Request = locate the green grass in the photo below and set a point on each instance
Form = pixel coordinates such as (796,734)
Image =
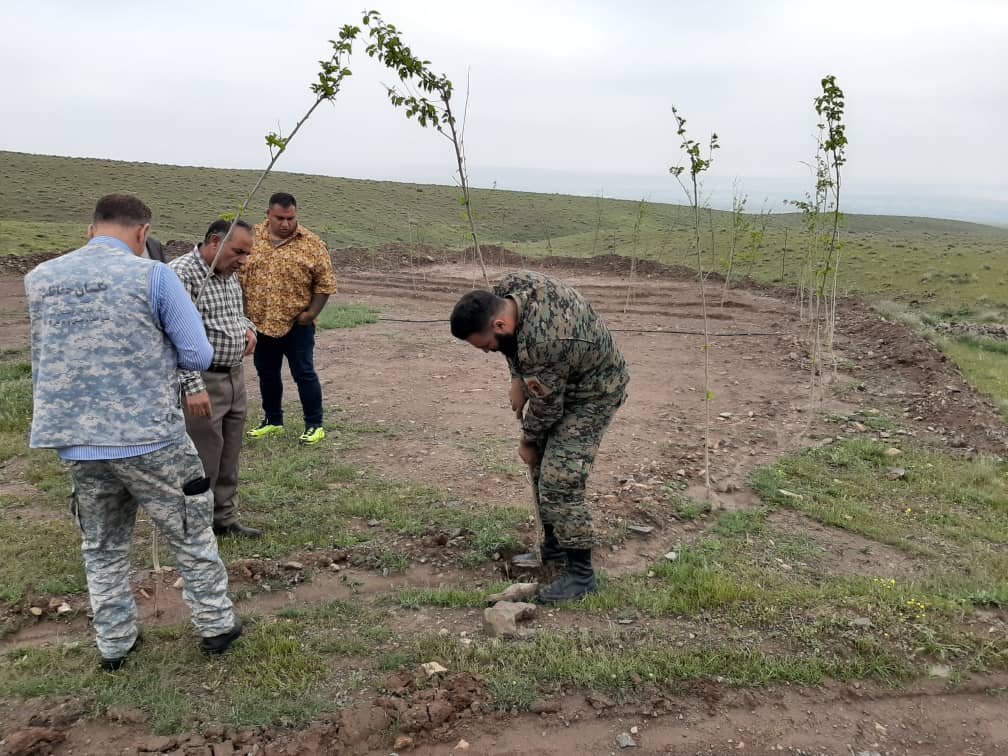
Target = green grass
(22,237)
(337,315)
(984,363)
(285,670)
(940,264)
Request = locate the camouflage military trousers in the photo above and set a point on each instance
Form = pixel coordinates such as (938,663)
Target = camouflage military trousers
(105,500)
(559,480)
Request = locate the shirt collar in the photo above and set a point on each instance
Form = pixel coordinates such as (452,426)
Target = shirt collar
(112,242)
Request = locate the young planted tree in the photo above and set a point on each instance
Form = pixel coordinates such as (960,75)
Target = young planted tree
(817,285)
(757,239)
(688,178)
(739,227)
(426,97)
(634,250)
(332,72)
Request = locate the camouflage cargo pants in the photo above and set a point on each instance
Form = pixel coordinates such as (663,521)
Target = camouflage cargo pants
(559,480)
(106,496)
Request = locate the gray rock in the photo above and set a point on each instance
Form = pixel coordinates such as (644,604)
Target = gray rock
(158,743)
(940,670)
(641,529)
(624,740)
(501,619)
(515,592)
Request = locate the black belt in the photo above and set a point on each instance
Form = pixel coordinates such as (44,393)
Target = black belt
(215,369)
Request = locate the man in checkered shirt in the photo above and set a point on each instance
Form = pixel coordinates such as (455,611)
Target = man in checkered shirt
(215,400)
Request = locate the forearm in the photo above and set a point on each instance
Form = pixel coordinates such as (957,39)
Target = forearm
(318,301)
(192,382)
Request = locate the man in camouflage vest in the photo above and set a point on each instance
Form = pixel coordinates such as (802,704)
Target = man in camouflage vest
(109,330)
(567,369)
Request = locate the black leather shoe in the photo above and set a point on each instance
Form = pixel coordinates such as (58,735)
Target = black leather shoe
(218,644)
(551,551)
(577,581)
(236,530)
(111,665)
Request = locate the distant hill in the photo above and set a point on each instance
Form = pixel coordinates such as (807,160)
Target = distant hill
(45,202)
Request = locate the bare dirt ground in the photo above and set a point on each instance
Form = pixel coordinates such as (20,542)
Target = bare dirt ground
(446,407)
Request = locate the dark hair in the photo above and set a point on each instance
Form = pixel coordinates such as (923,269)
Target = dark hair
(473,313)
(122,210)
(221,226)
(283,199)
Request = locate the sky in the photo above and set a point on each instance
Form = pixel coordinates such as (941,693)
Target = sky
(570,97)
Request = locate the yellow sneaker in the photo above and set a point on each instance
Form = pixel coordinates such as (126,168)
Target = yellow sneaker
(265,429)
(312,436)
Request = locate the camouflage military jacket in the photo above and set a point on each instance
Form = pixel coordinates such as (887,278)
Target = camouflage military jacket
(566,355)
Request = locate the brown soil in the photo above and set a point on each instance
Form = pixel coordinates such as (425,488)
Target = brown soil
(447,406)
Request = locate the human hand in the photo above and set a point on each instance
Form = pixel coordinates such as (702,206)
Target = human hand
(198,405)
(517,396)
(528,452)
(305,318)
(250,342)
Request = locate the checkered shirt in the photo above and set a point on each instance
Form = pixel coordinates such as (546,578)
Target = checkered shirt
(222,310)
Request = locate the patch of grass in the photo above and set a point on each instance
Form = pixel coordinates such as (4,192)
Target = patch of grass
(39,559)
(984,363)
(741,522)
(614,661)
(15,393)
(27,237)
(947,508)
(513,692)
(339,315)
(283,671)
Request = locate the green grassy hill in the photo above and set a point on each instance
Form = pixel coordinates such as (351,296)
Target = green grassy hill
(940,264)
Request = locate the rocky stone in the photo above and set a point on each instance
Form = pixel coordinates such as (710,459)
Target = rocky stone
(59,715)
(433,668)
(640,529)
(597,701)
(125,715)
(940,670)
(892,451)
(672,556)
(158,743)
(501,619)
(403,743)
(224,748)
(624,740)
(514,592)
(544,707)
(30,741)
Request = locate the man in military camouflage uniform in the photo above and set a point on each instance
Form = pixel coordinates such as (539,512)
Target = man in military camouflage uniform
(109,330)
(566,367)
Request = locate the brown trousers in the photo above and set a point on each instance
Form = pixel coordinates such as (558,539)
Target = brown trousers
(218,439)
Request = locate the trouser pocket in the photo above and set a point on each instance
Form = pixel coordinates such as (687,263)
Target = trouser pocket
(197,507)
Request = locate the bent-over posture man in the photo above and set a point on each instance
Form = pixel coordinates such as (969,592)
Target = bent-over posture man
(109,330)
(215,400)
(565,365)
(287,282)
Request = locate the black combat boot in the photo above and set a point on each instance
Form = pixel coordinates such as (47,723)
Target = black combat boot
(577,581)
(551,551)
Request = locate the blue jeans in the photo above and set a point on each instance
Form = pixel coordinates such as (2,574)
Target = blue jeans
(298,346)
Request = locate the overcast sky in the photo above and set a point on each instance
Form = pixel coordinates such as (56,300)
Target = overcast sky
(565,96)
